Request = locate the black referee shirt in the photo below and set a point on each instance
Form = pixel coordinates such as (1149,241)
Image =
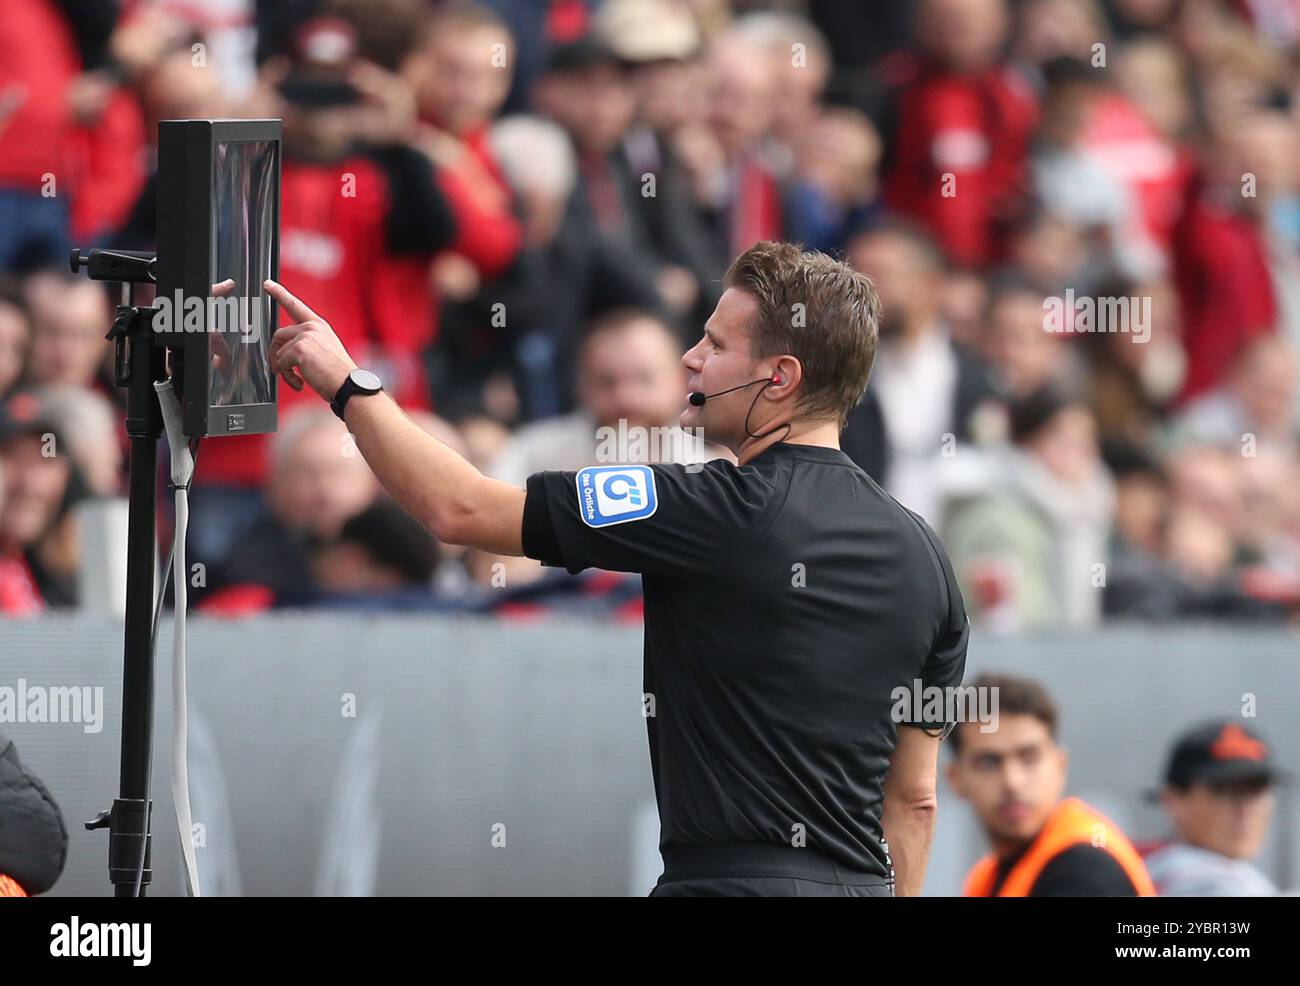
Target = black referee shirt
(785,600)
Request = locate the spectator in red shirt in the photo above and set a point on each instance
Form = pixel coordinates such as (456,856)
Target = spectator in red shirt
(455,69)
(959,129)
(742,111)
(460,73)
(1152,76)
(107,147)
(48,92)
(352,197)
(1223,266)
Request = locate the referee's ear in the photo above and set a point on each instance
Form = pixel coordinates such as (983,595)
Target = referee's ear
(786,376)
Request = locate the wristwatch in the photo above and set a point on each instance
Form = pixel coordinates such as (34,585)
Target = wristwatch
(358,382)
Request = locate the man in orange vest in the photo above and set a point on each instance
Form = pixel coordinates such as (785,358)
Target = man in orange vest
(1044,845)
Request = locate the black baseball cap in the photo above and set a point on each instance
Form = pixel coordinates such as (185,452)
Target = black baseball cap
(1220,751)
(587,52)
(323,50)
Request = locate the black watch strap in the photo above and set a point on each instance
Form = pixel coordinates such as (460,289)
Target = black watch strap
(341,397)
(350,387)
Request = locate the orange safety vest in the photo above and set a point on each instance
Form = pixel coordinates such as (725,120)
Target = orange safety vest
(9,887)
(1072,823)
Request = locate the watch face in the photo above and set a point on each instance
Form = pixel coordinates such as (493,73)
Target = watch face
(366,380)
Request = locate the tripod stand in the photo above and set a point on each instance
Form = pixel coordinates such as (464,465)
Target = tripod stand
(138,360)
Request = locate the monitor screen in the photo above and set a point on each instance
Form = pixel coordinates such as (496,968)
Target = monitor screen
(243,239)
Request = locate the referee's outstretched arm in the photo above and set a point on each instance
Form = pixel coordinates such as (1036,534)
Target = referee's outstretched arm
(431,482)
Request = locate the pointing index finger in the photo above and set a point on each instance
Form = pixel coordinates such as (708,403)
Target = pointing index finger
(296,308)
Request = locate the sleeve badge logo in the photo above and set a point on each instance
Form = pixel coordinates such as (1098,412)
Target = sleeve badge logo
(616,494)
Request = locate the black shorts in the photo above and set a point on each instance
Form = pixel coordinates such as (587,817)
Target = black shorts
(761,871)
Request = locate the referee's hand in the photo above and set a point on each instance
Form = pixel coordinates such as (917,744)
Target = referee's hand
(308,350)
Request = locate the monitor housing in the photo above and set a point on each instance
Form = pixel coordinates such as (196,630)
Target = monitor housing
(218,218)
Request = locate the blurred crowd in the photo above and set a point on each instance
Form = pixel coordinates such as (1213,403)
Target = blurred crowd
(1082,216)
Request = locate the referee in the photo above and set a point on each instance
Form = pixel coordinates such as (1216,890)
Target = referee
(787,598)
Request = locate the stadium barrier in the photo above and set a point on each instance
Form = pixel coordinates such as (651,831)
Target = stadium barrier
(337,754)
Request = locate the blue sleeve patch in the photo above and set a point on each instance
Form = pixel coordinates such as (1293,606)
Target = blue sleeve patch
(616,494)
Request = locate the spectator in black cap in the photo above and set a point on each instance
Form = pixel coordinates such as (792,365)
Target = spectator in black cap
(587,90)
(1218,795)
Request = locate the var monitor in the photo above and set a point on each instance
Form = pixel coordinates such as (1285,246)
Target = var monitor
(218,240)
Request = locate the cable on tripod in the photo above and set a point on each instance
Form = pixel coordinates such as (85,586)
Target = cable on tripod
(182,470)
(153,650)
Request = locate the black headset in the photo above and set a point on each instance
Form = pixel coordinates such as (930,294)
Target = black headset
(697,399)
